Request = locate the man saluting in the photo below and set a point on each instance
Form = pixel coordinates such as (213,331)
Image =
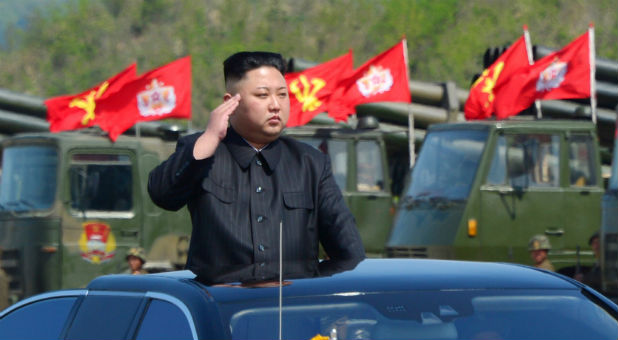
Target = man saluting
(240,179)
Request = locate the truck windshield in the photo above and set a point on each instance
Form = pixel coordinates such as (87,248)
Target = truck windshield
(101,182)
(613,180)
(338,152)
(447,164)
(28,178)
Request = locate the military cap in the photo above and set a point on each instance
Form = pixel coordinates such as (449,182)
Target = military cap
(595,235)
(538,242)
(137,252)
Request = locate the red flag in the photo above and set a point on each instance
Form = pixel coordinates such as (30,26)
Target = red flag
(79,111)
(384,78)
(161,93)
(311,89)
(561,75)
(480,102)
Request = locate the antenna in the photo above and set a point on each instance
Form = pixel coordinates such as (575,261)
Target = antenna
(280,275)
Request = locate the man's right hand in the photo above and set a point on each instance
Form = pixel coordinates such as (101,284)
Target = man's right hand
(216,130)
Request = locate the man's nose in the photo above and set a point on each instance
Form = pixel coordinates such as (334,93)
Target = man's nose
(274,104)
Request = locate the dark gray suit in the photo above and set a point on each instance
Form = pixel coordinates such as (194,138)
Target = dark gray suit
(238,197)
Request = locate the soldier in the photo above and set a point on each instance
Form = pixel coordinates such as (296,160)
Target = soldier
(539,247)
(4,288)
(136,259)
(593,277)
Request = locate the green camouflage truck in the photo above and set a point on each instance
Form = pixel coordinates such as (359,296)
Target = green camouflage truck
(369,163)
(481,190)
(609,232)
(72,203)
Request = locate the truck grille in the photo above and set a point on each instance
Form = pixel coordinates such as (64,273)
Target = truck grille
(408,252)
(11,264)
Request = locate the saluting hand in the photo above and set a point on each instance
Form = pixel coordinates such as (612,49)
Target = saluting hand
(216,130)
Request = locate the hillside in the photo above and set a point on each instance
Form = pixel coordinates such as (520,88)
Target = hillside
(69,46)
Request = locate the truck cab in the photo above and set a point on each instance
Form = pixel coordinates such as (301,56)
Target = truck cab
(364,161)
(73,203)
(481,190)
(609,232)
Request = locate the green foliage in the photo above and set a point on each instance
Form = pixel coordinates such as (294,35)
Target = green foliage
(71,45)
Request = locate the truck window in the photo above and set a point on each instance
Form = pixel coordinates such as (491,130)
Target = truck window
(369,172)
(526,160)
(447,164)
(28,177)
(338,152)
(581,161)
(101,182)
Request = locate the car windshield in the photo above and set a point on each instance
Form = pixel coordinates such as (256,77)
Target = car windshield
(447,164)
(457,314)
(28,180)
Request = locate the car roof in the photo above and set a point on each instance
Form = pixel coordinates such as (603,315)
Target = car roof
(370,275)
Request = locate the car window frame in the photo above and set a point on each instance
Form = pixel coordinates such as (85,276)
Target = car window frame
(174,301)
(79,294)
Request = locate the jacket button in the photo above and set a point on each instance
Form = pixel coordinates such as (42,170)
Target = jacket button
(261,247)
(260,219)
(259,189)
(258,162)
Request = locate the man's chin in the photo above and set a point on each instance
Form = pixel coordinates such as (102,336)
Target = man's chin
(272,132)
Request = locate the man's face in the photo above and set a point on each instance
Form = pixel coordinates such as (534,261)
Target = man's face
(596,247)
(135,263)
(264,106)
(538,256)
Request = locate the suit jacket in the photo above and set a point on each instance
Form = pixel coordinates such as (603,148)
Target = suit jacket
(239,199)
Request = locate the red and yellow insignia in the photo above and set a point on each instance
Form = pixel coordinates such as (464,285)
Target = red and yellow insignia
(375,81)
(552,76)
(88,103)
(488,81)
(308,95)
(156,100)
(97,242)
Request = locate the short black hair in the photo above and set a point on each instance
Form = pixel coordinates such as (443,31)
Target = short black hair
(236,65)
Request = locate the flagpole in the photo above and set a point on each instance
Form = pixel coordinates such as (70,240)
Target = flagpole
(537,103)
(592,56)
(411,137)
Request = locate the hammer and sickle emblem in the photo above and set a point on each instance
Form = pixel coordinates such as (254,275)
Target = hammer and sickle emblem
(88,104)
(307,95)
(489,82)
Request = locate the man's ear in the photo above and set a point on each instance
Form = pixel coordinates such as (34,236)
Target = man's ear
(227,96)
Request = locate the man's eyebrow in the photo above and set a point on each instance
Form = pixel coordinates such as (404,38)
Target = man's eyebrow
(268,88)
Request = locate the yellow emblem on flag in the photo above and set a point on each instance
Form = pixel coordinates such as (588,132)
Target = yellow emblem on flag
(308,95)
(489,82)
(88,104)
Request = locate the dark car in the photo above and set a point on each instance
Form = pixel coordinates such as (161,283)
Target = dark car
(378,299)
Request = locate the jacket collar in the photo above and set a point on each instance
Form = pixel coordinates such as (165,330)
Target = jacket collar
(244,153)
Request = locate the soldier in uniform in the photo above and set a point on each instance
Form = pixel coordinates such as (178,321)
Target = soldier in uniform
(593,277)
(539,247)
(4,288)
(136,259)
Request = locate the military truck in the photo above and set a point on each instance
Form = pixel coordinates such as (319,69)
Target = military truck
(369,162)
(72,203)
(481,190)
(609,232)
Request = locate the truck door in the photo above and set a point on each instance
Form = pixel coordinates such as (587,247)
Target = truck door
(104,218)
(582,198)
(521,196)
(370,199)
